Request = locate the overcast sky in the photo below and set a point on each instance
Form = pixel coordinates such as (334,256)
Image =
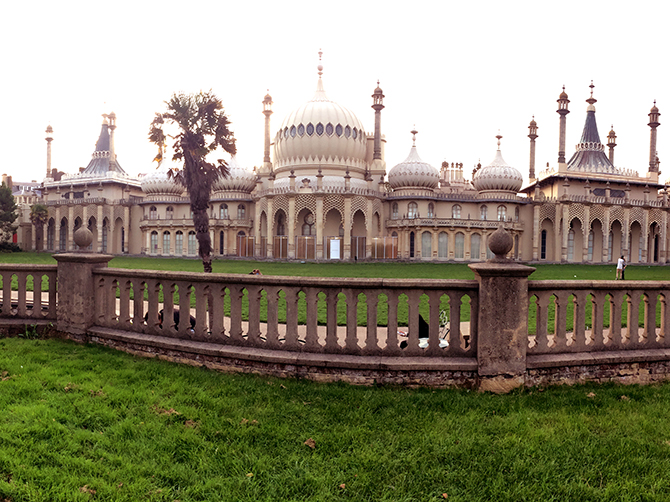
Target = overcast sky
(459,71)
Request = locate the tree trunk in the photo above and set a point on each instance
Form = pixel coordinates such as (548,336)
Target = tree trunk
(201,224)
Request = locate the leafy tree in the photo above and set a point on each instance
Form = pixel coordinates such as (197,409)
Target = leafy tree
(8,214)
(39,214)
(202,128)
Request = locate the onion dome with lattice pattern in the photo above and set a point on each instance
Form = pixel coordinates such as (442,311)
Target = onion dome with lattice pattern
(498,176)
(320,132)
(238,180)
(160,182)
(413,172)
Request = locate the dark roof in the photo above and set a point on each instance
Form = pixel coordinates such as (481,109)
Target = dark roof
(590,155)
(100,164)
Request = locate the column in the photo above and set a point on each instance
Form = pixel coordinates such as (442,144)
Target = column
(271,229)
(586,229)
(536,232)
(347,228)
(565,229)
(291,226)
(69,245)
(98,245)
(319,228)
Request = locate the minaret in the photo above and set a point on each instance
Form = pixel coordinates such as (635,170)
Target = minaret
(533,136)
(267,111)
(112,125)
(653,123)
(562,111)
(611,143)
(49,139)
(378,106)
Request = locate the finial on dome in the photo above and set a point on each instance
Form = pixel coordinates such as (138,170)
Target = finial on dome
(414,132)
(499,138)
(320,67)
(591,100)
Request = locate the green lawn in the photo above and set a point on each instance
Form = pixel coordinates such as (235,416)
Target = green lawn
(85,423)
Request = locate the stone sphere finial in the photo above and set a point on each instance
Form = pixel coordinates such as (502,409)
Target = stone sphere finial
(500,243)
(83,238)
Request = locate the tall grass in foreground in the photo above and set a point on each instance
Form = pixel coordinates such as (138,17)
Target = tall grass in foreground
(82,423)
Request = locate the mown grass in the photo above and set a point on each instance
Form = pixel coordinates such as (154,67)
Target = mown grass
(82,423)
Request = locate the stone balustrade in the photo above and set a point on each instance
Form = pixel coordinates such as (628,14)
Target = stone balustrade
(496,332)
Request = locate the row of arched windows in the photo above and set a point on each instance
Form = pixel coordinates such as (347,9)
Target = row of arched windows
(178,243)
(443,246)
(456,209)
(223,212)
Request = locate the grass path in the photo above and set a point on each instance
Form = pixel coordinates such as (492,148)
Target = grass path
(102,425)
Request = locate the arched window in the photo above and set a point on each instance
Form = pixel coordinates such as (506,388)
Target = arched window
(394,211)
(241,212)
(223,211)
(610,243)
(443,245)
(475,246)
(543,245)
(154,243)
(590,255)
(431,210)
(308,227)
(153,213)
(482,212)
(516,213)
(426,245)
(221,239)
(105,229)
(571,245)
(51,233)
(169,213)
(166,243)
(411,244)
(192,243)
(62,237)
(179,243)
(456,211)
(502,213)
(412,210)
(459,246)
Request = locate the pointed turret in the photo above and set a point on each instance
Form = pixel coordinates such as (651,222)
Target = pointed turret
(653,123)
(533,136)
(49,139)
(562,111)
(103,159)
(267,111)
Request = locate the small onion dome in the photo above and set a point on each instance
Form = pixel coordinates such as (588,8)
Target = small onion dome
(498,176)
(160,182)
(413,172)
(654,109)
(563,94)
(238,180)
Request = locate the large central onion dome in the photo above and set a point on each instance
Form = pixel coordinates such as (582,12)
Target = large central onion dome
(413,172)
(498,176)
(320,131)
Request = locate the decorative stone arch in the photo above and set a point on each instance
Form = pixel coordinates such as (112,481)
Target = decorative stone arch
(547,244)
(304,201)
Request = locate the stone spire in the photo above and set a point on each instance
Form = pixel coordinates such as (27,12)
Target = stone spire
(112,127)
(653,123)
(533,136)
(378,106)
(562,111)
(611,143)
(267,111)
(49,139)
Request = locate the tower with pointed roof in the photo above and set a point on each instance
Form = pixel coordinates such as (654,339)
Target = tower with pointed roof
(562,111)
(533,136)
(653,124)
(49,139)
(267,111)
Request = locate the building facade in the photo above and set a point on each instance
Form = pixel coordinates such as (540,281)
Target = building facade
(323,192)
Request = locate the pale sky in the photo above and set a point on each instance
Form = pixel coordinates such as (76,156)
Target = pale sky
(458,71)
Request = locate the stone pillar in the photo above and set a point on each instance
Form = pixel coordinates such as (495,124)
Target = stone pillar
(565,229)
(536,232)
(319,228)
(76,287)
(502,338)
(290,217)
(69,245)
(98,245)
(271,228)
(586,229)
(347,229)
(663,236)
(369,222)
(126,230)
(625,235)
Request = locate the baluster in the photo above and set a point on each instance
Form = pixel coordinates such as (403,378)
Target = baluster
(579,319)
(52,295)
(110,310)
(413,297)
(124,308)
(100,302)
(634,318)
(392,345)
(311,336)
(272,335)
(616,305)
(332,344)
(184,329)
(649,332)
(351,340)
(217,313)
(665,319)
(371,344)
(254,326)
(597,319)
(434,324)
(7,294)
(542,321)
(169,327)
(139,288)
(454,337)
(560,326)
(21,279)
(292,295)
(236,294)
(474,322)
(199,332)
(153,287)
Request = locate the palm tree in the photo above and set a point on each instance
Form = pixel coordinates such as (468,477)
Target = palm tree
(202,128)
(39,214)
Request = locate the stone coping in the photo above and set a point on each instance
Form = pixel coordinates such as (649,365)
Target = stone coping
(536,361)
(290,358)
